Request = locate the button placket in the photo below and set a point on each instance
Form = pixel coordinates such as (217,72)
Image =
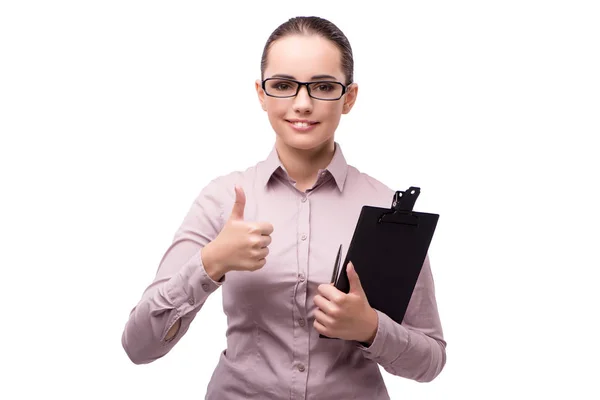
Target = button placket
(301,342)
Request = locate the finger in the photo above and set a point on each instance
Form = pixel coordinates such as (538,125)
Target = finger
(353,279)
(325,306)
(331,293)
(324,319)
(240,203)
(257,264)
(264,241)
(265,228)
(260,253)
(321,329)
(259,242)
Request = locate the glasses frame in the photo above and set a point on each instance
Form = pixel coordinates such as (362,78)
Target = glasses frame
(300,84)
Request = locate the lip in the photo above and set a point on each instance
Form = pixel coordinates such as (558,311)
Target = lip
(311,124)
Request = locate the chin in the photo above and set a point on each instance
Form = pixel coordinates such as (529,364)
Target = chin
(303,141)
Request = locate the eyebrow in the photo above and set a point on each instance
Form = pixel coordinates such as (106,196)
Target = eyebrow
(313,78)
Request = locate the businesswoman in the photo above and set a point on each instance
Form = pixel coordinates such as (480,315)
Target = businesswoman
(268,236)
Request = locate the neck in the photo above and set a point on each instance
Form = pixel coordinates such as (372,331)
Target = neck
(302,165)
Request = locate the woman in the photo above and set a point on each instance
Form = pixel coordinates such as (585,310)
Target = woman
(268,236)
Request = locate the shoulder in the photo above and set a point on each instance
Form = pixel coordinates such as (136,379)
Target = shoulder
(221,187)
(362,183)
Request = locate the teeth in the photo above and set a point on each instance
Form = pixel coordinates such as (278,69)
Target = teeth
(300,124)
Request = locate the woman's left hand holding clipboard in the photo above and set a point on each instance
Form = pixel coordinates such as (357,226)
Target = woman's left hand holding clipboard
(345,315)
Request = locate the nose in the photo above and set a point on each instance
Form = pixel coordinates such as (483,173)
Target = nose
(303,103)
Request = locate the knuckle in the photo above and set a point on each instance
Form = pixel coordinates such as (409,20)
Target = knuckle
(253,227)
(255,266)
(266,229)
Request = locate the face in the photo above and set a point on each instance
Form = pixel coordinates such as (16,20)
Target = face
(304,58)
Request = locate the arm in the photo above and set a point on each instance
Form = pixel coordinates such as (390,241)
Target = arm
(416,348)
(213,273)
(185,278)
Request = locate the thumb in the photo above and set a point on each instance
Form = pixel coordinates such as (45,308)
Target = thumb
(239,205)
(353,280)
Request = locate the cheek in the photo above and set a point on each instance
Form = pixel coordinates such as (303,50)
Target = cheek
(276,109)
(327,111)
(333,111)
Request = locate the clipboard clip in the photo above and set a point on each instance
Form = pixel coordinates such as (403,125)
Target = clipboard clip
(401,211)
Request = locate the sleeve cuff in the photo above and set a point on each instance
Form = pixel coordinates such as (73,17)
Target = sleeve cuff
(191,286)
(391,339)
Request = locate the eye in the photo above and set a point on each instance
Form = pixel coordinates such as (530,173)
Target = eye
(282,86)
(323,87)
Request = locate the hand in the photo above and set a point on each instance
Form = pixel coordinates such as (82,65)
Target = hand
(241,245)
(345,316)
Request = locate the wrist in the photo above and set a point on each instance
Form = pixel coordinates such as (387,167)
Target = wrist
(214,269)
(373,323)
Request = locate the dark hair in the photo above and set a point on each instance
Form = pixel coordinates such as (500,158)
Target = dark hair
(313,26)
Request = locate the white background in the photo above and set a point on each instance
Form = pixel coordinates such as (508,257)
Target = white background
(115,114)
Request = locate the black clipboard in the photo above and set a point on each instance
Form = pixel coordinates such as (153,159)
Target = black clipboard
(388,250)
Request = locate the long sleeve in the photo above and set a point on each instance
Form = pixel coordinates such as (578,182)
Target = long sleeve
(416,348)
(181,285)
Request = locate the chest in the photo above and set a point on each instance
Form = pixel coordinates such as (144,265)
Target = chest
(307,232)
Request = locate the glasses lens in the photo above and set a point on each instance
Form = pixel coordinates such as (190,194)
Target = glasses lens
(280,88)
(326,90)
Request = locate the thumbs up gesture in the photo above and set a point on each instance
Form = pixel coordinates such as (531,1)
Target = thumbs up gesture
(241,245)
(345,315)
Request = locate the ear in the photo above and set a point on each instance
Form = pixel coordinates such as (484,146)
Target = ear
(261,94)
(350,98)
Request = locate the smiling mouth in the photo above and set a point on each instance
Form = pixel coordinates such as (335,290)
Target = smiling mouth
(301,124)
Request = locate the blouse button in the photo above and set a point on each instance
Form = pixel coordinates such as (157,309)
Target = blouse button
(301,367)
(304,236)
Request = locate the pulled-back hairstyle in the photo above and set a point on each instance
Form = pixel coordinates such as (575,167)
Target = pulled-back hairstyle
(313,26)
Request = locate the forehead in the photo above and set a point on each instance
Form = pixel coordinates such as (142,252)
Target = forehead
(304,56)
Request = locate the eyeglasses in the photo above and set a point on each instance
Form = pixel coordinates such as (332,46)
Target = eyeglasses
(320,90)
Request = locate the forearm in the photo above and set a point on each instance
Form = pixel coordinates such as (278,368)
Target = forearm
(165,312)
(145,335)
(212,263)
(213,270)
(407,352)
(416,348)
